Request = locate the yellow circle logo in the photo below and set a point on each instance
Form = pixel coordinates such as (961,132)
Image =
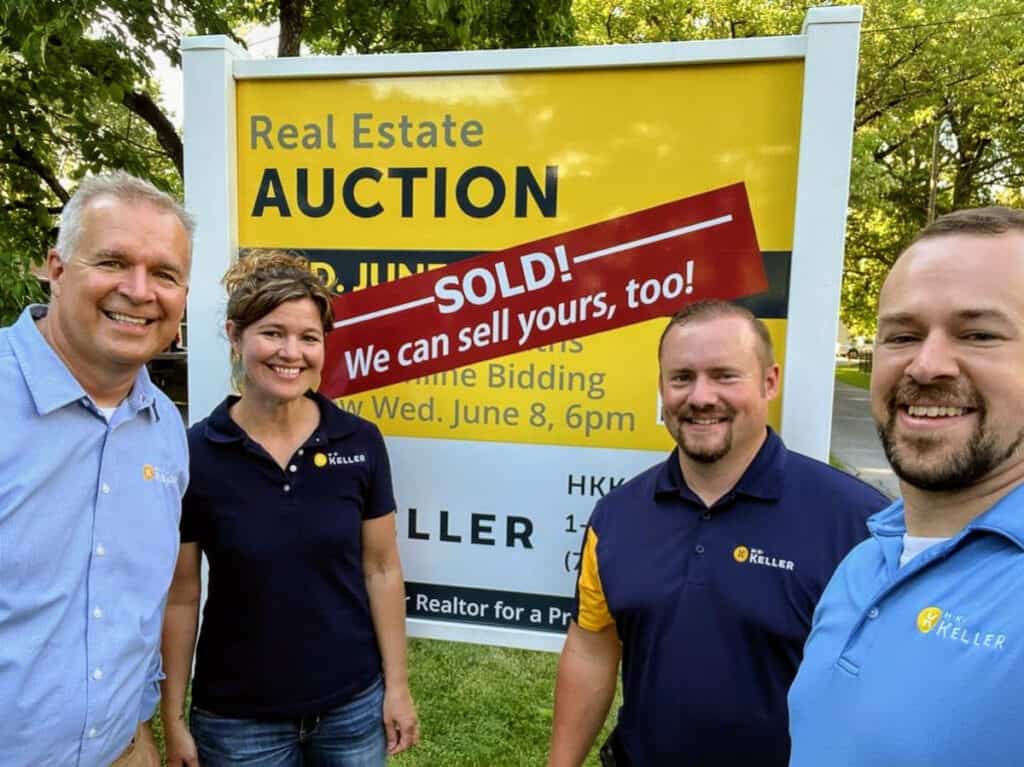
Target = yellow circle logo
(320,460)
(741,554)
(148,472)
(927,618)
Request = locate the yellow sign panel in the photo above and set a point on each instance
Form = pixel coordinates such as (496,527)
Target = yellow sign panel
(377,178)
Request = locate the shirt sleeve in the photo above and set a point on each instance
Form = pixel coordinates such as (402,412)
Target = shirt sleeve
(592,611)
(191,516)
(380,495)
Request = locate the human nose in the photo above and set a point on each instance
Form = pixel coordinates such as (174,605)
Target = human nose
(289,347)
(933,359)
(136,285)
(702,391)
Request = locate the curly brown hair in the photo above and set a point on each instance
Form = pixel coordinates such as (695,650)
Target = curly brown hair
(262,279)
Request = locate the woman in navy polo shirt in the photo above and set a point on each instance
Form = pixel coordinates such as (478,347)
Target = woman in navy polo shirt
(301,658)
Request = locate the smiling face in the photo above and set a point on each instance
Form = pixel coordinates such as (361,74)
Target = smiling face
(282,353)
(715,388)
(948,368)
(117,300)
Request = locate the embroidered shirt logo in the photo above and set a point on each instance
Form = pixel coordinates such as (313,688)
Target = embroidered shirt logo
(927,618)
(953,627)
(337,459)
(151,472)
(758,557)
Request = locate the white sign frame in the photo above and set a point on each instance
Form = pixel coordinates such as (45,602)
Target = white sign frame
(828,45)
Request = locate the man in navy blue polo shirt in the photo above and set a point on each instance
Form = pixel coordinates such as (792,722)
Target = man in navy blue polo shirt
(702,573)
(917,652)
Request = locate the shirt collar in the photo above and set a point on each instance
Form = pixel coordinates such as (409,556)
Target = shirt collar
(1004,518)
(334,422)
(762,478)
(48,379)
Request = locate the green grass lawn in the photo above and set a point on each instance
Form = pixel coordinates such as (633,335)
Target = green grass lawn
(848,374)
(479,706)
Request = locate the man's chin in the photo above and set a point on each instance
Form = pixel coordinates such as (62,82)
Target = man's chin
(934,465)
(705,453)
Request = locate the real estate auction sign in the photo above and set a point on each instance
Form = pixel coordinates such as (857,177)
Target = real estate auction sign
(505,242)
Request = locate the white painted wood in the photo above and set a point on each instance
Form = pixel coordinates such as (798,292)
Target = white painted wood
(823,185)
(211,196)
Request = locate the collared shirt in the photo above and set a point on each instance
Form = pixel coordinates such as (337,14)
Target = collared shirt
(88,543)
(713,604)
(287,630)
(921,664)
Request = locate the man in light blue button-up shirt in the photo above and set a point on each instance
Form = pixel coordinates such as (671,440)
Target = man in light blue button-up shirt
(916,653)
(94,463)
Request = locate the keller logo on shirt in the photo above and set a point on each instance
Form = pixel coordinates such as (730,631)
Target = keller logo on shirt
(755,556)
(320,460)
(927,618)
(952,627)
(151,472)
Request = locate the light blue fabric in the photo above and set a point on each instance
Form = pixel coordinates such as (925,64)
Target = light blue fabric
(920,665)
(88,541)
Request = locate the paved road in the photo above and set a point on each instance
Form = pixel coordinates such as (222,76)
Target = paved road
(854,440)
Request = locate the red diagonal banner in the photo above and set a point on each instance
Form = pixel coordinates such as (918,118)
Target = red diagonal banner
(588,280)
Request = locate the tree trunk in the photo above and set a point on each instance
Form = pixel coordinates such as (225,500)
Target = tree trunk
(143,105)
(291,14)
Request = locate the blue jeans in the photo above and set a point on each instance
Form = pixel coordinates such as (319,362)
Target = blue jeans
(351,735)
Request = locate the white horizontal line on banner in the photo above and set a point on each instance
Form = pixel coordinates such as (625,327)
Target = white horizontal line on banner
(383,312)
(649,240)
(711,222)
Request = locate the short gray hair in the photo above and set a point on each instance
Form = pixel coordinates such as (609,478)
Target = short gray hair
(123,187)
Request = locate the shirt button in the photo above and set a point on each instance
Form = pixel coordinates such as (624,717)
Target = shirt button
(287,488)
(301,451)
(92,732)
(97,613)
(100,551)
(293,467)
(699,548)
(873,613)
(97,674)
(105,488)
(706,515)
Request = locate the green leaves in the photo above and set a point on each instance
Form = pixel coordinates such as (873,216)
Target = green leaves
(958,64)
(77,93)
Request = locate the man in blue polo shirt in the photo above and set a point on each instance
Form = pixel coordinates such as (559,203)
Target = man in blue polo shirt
(917,652)
(702,573)
(94,465)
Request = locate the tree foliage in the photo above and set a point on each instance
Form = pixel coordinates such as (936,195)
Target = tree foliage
(951,68)
(77,95)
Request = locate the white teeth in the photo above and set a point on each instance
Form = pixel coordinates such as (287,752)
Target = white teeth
(705,421)
(285,372)
(126,318)
(931,411)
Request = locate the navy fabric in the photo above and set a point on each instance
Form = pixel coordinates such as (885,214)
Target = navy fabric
(713,604)
(286,629)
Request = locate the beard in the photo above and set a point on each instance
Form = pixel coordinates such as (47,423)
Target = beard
(703,451)
(931,463)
